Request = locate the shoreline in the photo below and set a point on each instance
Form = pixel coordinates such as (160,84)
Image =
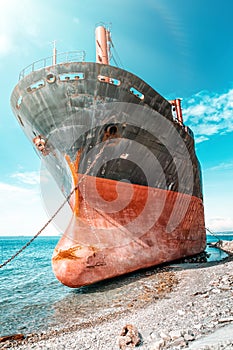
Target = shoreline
(172,308)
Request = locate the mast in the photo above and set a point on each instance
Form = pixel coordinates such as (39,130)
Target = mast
(102,42)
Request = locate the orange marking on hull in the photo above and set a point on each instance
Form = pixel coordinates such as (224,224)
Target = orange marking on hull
(74,171)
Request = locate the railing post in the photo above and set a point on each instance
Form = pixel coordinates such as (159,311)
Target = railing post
(65,57)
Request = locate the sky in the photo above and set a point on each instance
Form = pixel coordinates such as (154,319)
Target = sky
(181,48)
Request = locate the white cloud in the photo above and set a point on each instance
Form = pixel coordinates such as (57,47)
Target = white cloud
(220,224)
(205,129)
(222,166)
(29,178)
(21,211)
(26,205)
(208,114)
(200,139)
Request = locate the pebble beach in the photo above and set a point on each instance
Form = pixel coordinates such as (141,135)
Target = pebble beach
(183,305)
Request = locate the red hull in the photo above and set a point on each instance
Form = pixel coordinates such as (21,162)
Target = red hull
(120,227)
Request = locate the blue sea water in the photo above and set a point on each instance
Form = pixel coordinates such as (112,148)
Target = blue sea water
(27,284)
(32,300)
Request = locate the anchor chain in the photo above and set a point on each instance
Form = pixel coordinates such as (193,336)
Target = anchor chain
(207,229)
(40,231)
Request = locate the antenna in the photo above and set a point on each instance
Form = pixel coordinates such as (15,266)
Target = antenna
(54,52)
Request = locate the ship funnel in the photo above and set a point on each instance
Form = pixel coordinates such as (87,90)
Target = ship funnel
(102,42)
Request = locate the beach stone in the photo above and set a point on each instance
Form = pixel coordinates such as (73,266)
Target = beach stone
(146,334)
(181,312)
(175,334)
(225,287)
(164,335)
(216,290)
(190,304)
(178,342)
(129,337)
(226,246)
(157,345)
(189,337)
(154,335)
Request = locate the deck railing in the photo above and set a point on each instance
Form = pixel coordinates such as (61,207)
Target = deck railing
(64,57)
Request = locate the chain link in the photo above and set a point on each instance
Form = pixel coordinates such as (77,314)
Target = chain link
(207,229)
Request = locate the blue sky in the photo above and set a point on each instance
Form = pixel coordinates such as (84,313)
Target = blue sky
(182,48)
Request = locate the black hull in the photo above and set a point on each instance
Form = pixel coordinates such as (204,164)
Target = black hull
(79,115)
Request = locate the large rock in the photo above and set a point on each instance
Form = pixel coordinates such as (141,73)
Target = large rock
(226,246)
(129,337)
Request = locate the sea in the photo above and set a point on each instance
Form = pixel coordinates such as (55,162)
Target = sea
(33,301)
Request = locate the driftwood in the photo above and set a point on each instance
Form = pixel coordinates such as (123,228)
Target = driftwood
(19,336)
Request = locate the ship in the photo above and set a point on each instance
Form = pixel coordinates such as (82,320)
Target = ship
(122,155)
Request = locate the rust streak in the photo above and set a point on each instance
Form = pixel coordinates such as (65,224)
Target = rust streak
(67,254)
(74,171)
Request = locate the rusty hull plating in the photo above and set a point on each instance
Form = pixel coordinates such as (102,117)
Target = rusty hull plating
(88,253)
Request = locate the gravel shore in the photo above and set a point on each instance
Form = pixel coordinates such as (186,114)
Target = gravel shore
(188,305)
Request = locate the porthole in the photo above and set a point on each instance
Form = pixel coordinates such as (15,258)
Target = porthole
(112,81)
(51,78)
(18,104)
(71,76)
(35,86)
(136,93)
